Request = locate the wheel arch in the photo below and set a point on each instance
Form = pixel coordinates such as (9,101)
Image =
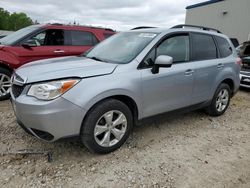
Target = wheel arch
(230,83)
(3,65)
(127,100)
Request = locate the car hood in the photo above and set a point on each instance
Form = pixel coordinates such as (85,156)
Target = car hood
(64,67)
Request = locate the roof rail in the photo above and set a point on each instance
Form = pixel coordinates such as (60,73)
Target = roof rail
(56,24)
(142,27)
(107,29)
(196,26)
(94,27)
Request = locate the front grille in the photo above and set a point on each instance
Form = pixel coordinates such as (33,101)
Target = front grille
(245,82)
(17,90)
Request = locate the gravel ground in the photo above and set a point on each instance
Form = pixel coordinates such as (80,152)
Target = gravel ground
(191,150)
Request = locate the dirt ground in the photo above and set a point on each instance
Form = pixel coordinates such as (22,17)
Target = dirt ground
(191,150)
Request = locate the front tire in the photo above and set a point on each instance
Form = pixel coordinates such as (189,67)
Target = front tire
(106,126)
(220,101)
(5,84)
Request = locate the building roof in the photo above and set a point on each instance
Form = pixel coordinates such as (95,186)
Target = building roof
(203,4)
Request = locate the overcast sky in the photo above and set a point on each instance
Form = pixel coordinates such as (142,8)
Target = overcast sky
(116,14)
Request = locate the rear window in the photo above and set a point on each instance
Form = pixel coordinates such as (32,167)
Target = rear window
(83,38)
(224,47)
(203,47)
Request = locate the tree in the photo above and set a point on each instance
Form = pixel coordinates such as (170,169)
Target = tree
(4,19)
(14,21)
(18,21)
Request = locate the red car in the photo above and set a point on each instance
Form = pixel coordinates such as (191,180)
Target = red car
(44,41)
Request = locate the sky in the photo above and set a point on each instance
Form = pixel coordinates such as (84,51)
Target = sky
(116,14)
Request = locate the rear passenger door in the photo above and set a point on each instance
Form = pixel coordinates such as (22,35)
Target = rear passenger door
(81,41)
(207,66)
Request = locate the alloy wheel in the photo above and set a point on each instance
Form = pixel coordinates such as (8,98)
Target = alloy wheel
(5,85)
(110,128)
(222,100)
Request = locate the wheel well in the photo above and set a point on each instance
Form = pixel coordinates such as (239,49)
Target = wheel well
(2,65)
(129,102)
(126,100)
(230,83)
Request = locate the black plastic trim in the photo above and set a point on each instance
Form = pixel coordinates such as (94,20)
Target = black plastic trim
(203,4)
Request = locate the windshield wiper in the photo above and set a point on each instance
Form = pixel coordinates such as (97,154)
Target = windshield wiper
(95,58)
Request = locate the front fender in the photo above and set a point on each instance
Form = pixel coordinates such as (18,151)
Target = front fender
(110,93)
(90,91)
(9,59)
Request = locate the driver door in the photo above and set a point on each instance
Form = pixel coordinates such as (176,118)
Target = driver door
(50,43)
(172,87)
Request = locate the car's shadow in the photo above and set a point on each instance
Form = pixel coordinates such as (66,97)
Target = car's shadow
(245,89)
(160,124)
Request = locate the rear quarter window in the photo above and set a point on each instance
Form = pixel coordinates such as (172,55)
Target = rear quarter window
(203,47)
(83,38)
(224,47)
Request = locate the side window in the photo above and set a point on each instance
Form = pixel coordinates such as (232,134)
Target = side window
(37,40)
(51,37)
(177,47)
(83,38)
(149,59)
(203,47)
(224,47)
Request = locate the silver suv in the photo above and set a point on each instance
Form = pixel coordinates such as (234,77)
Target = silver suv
(133,75)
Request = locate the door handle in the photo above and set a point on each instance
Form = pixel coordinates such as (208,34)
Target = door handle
(59,51)
(189,72)
(220,65)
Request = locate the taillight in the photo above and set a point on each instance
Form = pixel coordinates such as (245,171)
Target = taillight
(239,61)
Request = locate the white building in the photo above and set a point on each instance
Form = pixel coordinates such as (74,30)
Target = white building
(231,17)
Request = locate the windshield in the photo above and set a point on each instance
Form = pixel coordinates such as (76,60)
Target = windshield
(14,37)
(121,48)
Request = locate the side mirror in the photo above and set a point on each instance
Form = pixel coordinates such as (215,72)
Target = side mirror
(29,44)
(162,61)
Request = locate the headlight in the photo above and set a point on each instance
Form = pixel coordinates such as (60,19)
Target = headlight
(51,90)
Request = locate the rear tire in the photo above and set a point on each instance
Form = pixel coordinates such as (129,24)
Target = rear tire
(5,84)
(106,126)
(220,101)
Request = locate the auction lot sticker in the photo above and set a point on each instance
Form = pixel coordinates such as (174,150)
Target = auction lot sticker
(148,35)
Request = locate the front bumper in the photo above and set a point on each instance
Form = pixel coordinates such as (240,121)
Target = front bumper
(48,120)
(245,79)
